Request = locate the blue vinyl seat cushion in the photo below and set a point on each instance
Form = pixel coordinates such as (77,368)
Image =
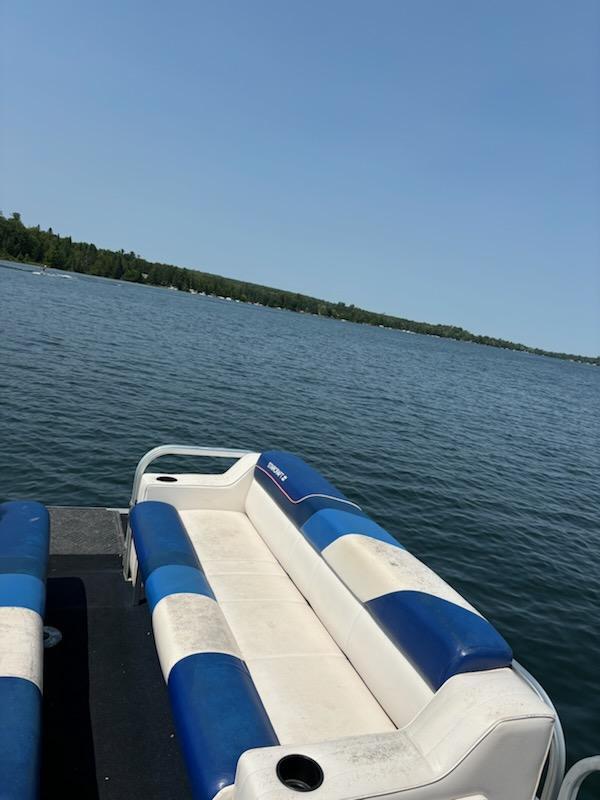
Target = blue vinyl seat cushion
(167,560)
(160,537)
(439,638)
(174,579)
(298,489)
(23,591)
(327,525)
(20,739)
(219,715)
(24,538)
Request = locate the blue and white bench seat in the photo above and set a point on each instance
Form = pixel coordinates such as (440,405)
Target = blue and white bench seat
(24,544)
(355,653)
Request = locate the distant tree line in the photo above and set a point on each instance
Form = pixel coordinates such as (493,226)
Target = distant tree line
(34,245)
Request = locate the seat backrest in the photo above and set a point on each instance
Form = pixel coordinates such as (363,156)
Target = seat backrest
(402,627)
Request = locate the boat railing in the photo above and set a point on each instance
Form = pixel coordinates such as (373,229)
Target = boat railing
(576,776)
(557,755)
(169,450)
(556,785)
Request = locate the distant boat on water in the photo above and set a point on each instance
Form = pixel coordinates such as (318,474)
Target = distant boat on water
(44,271)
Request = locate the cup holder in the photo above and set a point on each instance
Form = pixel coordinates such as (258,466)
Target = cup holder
(166,478)
(300,773)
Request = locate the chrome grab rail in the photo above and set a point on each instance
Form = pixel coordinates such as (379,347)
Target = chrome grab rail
(178,450)
(169,450)
(557,754)
(576,776)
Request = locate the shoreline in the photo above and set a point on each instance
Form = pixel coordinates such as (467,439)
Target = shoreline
(394,323)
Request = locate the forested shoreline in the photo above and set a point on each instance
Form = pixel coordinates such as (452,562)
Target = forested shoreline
(34,245)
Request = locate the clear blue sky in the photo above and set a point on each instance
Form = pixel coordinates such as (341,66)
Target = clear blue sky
(436,160)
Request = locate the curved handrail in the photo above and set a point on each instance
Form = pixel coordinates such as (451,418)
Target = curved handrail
(178,450)
(169,450)
(576,776)
(557,755)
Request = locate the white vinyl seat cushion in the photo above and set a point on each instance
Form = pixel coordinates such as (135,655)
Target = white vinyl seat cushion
(309,689)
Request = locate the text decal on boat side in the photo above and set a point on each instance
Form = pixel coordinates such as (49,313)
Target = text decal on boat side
(278,472)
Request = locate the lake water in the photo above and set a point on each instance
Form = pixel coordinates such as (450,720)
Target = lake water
(485,463)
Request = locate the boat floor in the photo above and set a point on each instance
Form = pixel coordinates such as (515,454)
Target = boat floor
(107,726)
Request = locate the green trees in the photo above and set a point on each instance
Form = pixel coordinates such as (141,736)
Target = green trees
(34,245)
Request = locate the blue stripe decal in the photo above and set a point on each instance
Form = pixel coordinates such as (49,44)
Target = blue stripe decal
(24,538)
(23,591)
(329,524)
(160,537)
(20,725)
(439,638)
(175,579)
(298,489)
(218,716)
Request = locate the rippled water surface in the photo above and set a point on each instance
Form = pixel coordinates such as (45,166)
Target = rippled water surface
(485,463)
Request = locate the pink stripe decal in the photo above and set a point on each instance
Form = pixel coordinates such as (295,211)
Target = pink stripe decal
(295,502)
